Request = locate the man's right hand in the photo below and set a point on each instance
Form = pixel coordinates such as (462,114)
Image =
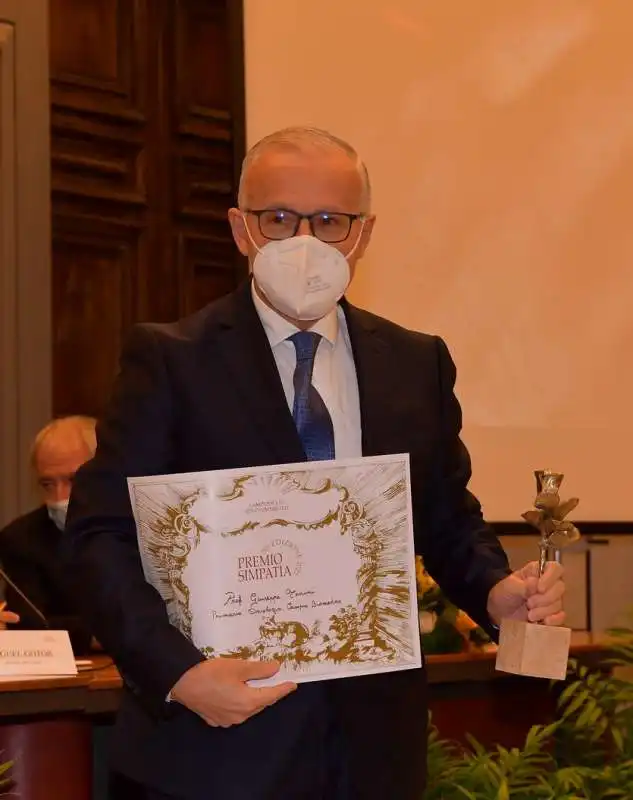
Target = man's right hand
(216,690)
(7,618)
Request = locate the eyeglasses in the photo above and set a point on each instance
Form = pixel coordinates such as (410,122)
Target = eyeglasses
(281,223)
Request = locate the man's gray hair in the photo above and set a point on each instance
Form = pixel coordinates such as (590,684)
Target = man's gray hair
(301,138)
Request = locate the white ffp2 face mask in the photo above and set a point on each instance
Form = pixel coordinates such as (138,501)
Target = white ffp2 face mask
(302,277)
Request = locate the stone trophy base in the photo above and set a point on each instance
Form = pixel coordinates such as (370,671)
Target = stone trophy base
(538,651)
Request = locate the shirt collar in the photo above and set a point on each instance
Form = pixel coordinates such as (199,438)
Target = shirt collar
(279,329)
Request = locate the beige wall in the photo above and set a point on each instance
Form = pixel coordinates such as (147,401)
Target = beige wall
(499,136)
(25,334)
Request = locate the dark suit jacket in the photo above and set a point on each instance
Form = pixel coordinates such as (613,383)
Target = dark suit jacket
(204,394)
(31,555)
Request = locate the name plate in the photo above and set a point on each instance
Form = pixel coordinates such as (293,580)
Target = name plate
(309,564)
(36,653)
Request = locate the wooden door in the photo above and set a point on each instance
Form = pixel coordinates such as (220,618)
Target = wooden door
(24,245)
(147,113)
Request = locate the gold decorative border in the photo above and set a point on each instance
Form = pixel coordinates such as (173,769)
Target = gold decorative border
(371,631)
(170,534)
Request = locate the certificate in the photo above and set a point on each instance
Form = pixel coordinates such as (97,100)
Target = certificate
(311,564)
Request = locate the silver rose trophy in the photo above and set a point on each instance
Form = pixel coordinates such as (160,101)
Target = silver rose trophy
(535,649)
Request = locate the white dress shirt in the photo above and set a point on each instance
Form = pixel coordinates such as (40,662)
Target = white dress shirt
(334,375)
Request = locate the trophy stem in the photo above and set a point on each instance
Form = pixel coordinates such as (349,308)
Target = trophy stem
(542,561)
(544,557)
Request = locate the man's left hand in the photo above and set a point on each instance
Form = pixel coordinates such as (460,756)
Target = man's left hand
(524,596)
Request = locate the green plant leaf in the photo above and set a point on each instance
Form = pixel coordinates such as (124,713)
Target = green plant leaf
(504,791)
(618,738)
(616,633)
(599,730)
(586,754)
(569,691)
(466,793)
(579,700)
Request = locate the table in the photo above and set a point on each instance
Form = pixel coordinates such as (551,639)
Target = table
(46,725)
(49,721)
(467,695)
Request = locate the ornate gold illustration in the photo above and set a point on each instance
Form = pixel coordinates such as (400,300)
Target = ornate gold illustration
(247,526)
(371,509)
(170,536)
(237,489)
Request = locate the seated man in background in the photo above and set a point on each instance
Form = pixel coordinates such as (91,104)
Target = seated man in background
(30,545)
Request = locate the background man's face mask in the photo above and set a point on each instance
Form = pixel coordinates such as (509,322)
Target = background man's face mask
(302,277)
(57,512)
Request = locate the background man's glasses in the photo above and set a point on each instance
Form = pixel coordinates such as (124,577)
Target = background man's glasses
(280,223)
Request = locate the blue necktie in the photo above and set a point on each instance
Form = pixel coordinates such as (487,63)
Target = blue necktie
(310,413)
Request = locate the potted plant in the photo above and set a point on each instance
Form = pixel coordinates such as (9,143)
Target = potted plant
(587,754)
(444,627)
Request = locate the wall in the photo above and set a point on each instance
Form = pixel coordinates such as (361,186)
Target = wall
(24,245)
(499,137)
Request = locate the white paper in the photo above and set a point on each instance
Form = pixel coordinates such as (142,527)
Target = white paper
(311,564)
(36,653)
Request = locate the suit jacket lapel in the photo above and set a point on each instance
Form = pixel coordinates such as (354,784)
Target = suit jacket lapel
(251,365)
(374,368)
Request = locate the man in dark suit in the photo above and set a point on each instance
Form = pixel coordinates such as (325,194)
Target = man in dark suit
(281,371)
(30,546)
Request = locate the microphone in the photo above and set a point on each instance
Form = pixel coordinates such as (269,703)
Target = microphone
(29,603)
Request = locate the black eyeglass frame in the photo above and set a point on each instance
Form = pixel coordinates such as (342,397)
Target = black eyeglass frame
(299,219)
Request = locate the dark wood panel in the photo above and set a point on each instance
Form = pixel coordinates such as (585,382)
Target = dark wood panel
(93,305)
(98,161)
(204,274)
(53,758)
(98,55)
(205,148)
(203,178)
(202,49)
(147,140)
(85,36)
